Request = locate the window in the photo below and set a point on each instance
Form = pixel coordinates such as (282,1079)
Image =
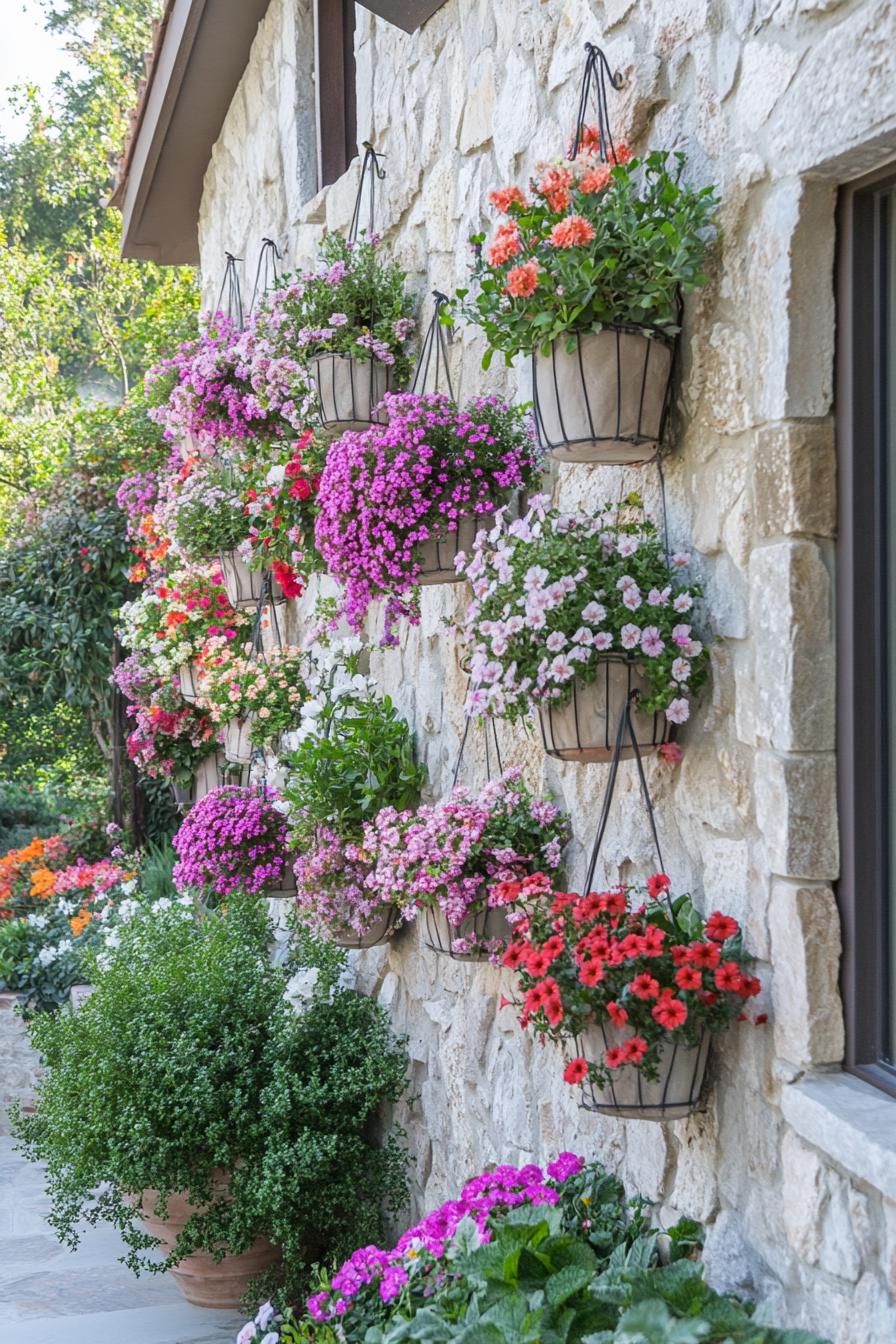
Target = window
(866,428)
(337,132)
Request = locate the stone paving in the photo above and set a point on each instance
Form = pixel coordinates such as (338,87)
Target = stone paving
(49,1295)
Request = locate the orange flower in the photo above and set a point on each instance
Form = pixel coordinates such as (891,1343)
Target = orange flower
(622,153)
(523,280)
(505,197)
(78,923)
(572,232)
(506,244)
(595,179)
(176,618)
(555,186)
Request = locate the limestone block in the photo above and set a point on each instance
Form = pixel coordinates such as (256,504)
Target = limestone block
(805,935)
(767,70)
(795,482)
(695,1191)
(804,1194)
(731,1263)
(790,604)
(839,1253)
(796,811)
(869,1304)
(477,125)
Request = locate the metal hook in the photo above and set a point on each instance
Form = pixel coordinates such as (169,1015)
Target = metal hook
(231,283)
(372,172)
(434,342)
(267,260)
(596,77)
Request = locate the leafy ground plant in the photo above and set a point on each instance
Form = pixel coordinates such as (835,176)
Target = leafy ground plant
(188,1059)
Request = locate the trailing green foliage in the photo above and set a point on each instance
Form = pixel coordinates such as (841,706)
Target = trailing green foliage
(187,1060)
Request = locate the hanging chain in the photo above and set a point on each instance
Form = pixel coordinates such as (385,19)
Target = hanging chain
(625,727)
(231,283)
(489,724)
(435,344)
(371,173)
(595,80)
(266,271)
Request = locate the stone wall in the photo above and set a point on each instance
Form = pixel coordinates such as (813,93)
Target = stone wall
(776,101)
(19,1062)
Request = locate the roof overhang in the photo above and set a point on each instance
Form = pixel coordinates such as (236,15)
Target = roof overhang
(201,52)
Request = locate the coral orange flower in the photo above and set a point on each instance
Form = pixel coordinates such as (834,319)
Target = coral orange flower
(78,923)
(522,281)
(554,187)
(595,179)
(574,231)
(506,244)
(506,197)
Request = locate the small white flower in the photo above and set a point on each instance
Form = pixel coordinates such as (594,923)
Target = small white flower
(630,636)
(683,602)
(681,669)
(678,711)
(594,613)
(555,641)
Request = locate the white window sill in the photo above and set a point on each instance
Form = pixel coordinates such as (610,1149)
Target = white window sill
(852,1122)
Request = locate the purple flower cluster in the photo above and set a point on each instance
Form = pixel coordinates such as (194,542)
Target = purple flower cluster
(136,497)
(389,489)
(331,882)
(233,839)
(456,852)
(483,1199)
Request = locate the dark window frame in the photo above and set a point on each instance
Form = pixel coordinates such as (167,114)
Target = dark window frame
(334,73)
(864,781)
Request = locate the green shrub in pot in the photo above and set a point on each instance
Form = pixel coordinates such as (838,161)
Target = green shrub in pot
(189,1061)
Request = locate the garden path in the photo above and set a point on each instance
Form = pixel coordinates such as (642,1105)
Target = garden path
(49,1295)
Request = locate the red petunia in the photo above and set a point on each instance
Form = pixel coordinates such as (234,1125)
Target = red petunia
(749,987)
(537,962)
(589,907)
(689,978)
(719,927)
(705,955)
(592,972)
(657,885)
(680,954)
(728,976)
(576,1071)
(615,1056)
(618,1015)
(513,957)
(635,1049)
(670,1013)
(300,489)
(644,986)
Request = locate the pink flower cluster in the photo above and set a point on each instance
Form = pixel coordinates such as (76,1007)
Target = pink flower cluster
(456,853)
(483,1199)
(331,880)
(385,491)
(233,839)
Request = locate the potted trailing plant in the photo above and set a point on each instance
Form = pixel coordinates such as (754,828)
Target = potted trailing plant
(281,509)
(172,740)
(255,695)
(398,502)
(354,755)
(350,321)
(453,857)
(572,613)
(584,274)
(233,840)
(634,983)
(219,1124)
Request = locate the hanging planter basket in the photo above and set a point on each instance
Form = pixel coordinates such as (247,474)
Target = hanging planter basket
(672,1096)
(237,741)
(188,674)
(245,586)
(348,390)
(436,556)
(206,778)
(486,925)
(584,727)
(380,929)
(605,399)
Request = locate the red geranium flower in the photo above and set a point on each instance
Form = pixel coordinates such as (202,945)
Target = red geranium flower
(657,885)
(719,927)
(576,1071)
(644,986)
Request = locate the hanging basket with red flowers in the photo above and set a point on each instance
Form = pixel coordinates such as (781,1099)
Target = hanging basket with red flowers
(633,984)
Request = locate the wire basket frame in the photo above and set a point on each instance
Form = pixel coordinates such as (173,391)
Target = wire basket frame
(584,728)
(230,286)
(674,1094)
(380,930)
(348,390)
(604,396)
(266,276)
(433,355)
(486,925)
(436,556)
(247,587)
(189,677)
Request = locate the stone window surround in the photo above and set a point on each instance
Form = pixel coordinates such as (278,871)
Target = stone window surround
(850,1121)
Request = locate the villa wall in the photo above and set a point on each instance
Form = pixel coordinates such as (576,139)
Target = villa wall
(777,102)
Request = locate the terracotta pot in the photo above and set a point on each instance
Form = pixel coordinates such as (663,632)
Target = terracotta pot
(244,585)
(380,930)
(675,1094)
(436,556)
(200,1279)
(188,674)
(606,399)
(349,390)
(237,742)
(584,728)
(487,925)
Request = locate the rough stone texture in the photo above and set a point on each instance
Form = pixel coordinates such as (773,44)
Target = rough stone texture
(777,101)
(19,1062)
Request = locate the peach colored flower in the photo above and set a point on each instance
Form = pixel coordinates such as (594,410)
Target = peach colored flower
(621,152)
(572,232)
(523,280)
(595,179)
(555,186)
(506,244)
(507,196)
